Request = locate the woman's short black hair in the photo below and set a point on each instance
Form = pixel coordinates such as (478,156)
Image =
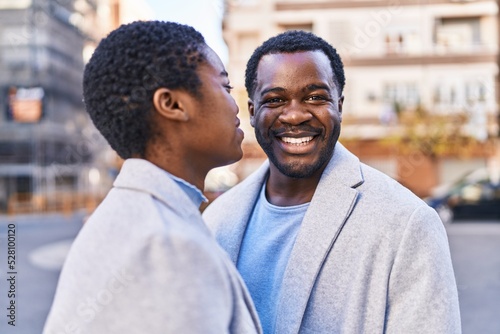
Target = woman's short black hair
(290,42)
(127,67)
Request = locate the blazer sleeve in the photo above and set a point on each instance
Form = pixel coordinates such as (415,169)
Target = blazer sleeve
(422,293)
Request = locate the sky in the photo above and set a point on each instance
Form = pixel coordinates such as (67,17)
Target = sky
(204,15)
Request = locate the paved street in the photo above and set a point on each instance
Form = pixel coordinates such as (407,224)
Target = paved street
(475,250)
(39,254)
(42,242)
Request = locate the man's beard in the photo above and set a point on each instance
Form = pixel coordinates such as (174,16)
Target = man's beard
(298,169)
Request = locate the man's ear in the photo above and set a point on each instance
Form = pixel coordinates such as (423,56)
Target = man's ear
(340,105)
(251,111)
(170,104)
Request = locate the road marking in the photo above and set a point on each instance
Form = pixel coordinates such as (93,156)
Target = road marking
(50,256)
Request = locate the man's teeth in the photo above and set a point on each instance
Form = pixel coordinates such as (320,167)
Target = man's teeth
(297,141)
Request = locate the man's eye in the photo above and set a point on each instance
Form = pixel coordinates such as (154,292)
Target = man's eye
(316,98)
(273,100)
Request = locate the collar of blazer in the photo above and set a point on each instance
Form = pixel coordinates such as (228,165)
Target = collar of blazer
(141,175)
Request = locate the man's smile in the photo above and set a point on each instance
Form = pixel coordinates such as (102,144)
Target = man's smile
(297,141)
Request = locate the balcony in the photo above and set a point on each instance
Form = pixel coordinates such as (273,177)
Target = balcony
(282,5)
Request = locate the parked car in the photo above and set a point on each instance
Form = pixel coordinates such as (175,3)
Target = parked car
(475,196)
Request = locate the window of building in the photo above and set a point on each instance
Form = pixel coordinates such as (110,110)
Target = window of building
(66,182)
(403,94)
(461,94)
(305,27)
(460,33)
(16,152)
(402,43)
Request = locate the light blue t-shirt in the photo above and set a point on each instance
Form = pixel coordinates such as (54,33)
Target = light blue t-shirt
(264,254)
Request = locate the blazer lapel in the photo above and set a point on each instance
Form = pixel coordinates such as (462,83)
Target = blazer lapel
(333,201)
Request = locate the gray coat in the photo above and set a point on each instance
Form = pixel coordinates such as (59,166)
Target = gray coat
(370,257)
(146,263)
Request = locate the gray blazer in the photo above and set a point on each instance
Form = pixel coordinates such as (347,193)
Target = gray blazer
(370,257)
(146,263)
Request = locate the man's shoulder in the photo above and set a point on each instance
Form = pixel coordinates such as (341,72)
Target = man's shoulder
(243,191)
(392,203)
(387,197)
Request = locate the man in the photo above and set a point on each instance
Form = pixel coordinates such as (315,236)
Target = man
(145,262)
(325,243)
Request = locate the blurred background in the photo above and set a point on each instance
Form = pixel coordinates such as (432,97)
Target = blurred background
(421,99)
(421,105)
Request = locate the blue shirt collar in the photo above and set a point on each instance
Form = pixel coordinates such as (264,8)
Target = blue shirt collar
(194,194)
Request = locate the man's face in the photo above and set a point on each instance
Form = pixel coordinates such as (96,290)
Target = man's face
(216,135)
(296,111)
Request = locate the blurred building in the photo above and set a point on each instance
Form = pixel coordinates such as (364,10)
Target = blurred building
(400,57)
(50,153)
(127,11)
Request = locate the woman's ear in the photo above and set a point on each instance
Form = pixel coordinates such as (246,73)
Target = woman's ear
(170,104)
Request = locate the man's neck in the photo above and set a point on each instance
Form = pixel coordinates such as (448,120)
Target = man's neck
(282,190)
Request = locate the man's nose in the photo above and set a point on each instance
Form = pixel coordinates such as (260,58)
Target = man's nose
(295,113)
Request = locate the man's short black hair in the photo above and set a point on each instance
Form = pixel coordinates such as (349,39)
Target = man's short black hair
(127,67)
(290,42)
